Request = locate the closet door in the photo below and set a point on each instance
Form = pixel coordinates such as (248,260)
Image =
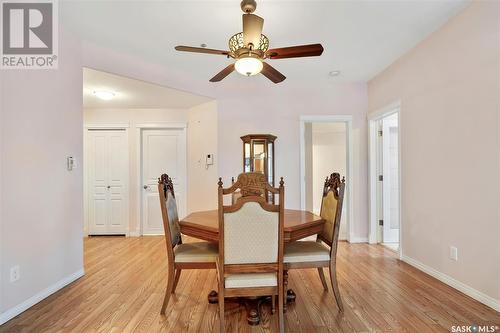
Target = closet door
(107,166)
(117,182)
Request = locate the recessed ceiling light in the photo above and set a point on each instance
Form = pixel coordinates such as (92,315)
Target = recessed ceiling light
(104,95)
(334,73)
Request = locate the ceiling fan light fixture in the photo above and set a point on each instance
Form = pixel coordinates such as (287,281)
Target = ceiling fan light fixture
(248,66)
(250,48)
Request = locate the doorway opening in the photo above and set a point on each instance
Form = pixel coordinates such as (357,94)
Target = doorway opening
(326,148)
(385,189)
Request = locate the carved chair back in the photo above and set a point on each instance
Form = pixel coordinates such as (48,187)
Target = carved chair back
(169,214)
(331,209)
(251,229)
(254,183)
(236,194)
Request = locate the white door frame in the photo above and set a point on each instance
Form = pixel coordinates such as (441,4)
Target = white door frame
(104,126)
(138,139)
(373,118)
(347,119)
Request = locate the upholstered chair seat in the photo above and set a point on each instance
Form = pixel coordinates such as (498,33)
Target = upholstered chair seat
(306,251)
(249,280)
(196,252)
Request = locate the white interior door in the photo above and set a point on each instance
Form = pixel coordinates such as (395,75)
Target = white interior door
(390,167)
(107,165)
(163,151)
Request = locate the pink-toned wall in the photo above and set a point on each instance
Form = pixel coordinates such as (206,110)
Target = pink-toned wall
(449,88)
(42,202)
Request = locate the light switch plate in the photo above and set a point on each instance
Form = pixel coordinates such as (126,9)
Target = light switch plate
(453,253)
(70,163)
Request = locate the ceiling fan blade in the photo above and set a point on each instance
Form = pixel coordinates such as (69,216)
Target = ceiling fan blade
(201,50)
(311,50)
(271,73)
(223,73)
(252,29)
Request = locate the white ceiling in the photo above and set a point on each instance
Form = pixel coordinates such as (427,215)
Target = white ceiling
(360,38)
(133,94)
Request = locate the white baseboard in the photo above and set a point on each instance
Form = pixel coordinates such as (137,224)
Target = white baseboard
(12,312)
(372,239)
(355,239)
(134,234)
(468,290)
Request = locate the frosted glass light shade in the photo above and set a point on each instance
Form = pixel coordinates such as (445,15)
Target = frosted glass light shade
(248,66)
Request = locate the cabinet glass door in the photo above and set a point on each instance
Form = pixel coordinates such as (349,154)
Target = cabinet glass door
(246,158)
(270,163)
(259,156)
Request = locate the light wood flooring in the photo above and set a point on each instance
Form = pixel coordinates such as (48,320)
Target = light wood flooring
(123,288)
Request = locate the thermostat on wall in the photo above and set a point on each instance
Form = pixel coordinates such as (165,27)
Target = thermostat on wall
(70,163)
(209,160)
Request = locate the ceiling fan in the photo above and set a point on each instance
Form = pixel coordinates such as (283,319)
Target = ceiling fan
(250,48)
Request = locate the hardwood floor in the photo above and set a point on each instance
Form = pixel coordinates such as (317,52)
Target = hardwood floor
(124,284)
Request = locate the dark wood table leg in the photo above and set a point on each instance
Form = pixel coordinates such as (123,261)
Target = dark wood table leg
(252,305)
(290,295)
(213,297)
(285,286)
(253,313)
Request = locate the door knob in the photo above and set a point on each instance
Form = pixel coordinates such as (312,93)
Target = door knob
(109,187)
(146,187)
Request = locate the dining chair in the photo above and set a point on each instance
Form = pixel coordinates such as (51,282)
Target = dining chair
(196,255)
(313,254)
(251,241)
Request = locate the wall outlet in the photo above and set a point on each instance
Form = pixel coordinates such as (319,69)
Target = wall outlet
(15,273)
(453,253)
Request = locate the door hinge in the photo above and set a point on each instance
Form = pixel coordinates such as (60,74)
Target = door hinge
(381,178)
(381,222)
(380,133)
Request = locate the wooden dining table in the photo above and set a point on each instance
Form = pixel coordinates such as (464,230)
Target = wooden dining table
(298,224)
(205,225)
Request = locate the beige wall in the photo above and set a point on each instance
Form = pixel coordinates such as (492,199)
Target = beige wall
(202,140)
(201,137)
(449,87)
(41,215)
